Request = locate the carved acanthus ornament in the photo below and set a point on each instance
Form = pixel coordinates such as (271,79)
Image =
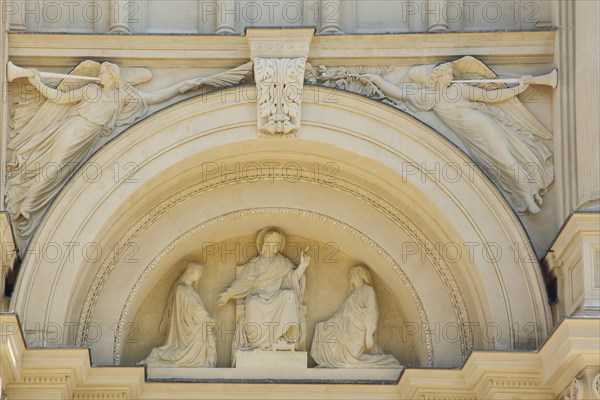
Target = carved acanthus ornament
(279,83)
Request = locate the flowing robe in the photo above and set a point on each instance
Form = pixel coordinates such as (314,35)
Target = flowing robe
(513,158)
(189,341)
(502,140)
(53,140)
(340,342)
(274,295)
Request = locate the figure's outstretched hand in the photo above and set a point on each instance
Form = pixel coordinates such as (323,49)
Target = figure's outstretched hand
(524,82)
(222,299)
(192,84)
(34,76)
(304,259)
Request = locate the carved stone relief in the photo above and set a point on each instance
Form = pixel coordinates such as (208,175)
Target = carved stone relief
(596,386)
(306,176)
(348,339)
(120,332)
(273,291)
(279,83)
(273,322)
(53,134)
(188,327)
(500,134)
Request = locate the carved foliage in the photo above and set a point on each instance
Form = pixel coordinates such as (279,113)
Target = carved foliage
(279,83)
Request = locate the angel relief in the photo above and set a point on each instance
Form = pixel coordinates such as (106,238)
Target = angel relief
(500,134)
(54,133)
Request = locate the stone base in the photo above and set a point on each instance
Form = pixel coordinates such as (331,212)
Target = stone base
(272,359)
(279,375)
(274,366)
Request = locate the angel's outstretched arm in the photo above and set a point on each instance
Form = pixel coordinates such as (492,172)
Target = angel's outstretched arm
(54,95)
(168,93)
(223,79)
(389,89)
(494,96)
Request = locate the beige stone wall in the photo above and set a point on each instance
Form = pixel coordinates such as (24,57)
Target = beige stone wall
(349,16)
(587,86)
(369,140)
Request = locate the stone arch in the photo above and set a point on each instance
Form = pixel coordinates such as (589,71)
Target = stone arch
(405,190)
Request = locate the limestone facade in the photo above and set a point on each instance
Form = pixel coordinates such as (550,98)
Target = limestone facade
(476,299)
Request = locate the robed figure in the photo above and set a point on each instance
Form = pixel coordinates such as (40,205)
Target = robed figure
(54,130)
(273,292)
(188,327)
(499,133)
(348,339)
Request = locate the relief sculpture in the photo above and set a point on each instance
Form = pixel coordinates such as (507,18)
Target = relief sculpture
(273,291)
(54,129)
(187,327)
(500,134)
(348,339)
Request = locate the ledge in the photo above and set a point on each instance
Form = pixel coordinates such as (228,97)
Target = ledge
(60,49)
(354,376)
(572,347)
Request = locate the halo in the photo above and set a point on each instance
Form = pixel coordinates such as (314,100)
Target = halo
(263,232)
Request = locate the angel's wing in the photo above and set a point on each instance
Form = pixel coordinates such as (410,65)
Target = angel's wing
(228,78)
(513,110)
(32,114)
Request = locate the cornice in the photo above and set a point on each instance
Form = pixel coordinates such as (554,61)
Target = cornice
(61,49)
(542,374)
(578,226)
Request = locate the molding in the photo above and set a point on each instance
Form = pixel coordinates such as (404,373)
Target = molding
(279,43)
(100,395)
(185,51)
(577,226)
(543,374)
(572,261)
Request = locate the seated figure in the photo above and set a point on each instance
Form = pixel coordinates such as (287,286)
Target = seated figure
(272,288)
(188,327)
(348,340)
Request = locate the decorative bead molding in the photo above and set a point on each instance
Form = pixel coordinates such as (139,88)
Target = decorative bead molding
(278,43)
(279,85)
(99,395)
(45,379)
(515,383)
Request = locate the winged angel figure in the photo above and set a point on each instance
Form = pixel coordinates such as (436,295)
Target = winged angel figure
(54,133)
(500,134)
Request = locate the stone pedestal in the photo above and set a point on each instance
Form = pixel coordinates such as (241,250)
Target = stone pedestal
(272,359)
(274,366)
(281,375)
